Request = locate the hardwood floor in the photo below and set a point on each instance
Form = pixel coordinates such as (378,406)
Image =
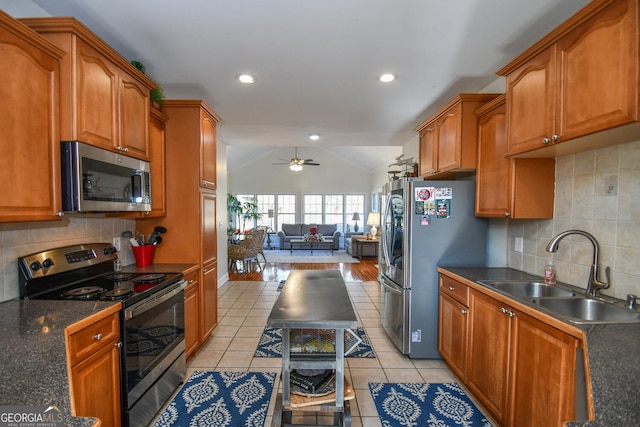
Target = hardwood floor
(366,270)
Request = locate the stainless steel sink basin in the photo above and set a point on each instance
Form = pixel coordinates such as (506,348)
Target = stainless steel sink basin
(582,310)
(528,289)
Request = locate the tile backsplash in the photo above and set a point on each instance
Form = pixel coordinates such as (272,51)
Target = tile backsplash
(599,192)
(19,239)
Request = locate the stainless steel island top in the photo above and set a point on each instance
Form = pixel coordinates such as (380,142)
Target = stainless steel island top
(313,299)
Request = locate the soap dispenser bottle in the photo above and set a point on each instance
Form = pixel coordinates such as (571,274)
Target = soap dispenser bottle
(550,273)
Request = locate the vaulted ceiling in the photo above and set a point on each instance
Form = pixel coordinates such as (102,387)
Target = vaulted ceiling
(316,63)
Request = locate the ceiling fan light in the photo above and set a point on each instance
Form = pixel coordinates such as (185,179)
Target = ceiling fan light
(295,167)
(314,137)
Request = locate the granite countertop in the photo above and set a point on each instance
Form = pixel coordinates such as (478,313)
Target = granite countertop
(158,268)
(33,366)
(612,351)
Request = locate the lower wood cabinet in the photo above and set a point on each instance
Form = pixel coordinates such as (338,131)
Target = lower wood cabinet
(93,358)
(191,316)
(520,369)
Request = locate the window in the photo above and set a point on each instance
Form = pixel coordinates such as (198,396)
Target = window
(332,209)
(312,209)
(266,206)
(355,203)
(286,210)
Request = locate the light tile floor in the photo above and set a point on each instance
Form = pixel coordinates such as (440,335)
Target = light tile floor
(243,308)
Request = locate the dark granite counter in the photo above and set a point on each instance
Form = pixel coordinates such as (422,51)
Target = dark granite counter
(612,350)
(33,364)
(158,268)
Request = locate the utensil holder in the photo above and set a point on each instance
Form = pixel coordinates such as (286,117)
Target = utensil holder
(143,254)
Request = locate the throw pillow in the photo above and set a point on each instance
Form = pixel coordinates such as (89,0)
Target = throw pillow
(313,237)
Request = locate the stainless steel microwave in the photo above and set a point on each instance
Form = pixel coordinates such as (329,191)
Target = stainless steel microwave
(98,180)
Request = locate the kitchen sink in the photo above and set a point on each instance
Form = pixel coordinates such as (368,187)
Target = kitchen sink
(587,310)
(528,289)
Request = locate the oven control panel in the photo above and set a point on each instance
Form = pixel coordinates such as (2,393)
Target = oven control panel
(64,259)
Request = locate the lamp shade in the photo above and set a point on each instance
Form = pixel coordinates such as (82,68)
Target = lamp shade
(373,219)
(356,216)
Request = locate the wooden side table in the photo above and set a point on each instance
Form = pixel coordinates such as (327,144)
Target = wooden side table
(361,244)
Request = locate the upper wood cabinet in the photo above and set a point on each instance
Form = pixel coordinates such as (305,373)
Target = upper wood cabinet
(157,138)
(29,124)
(208,149)
(448,139)
(507,187)
(580,79)
(104,99)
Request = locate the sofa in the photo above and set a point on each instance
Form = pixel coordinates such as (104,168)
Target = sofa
(290,232)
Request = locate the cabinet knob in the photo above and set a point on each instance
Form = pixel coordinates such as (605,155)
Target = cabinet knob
(546,140)
(118,344)
(60,214)
(463,311)
(503,310)
(507,214)
(555,138)
(97,337)
(451,288)
(190,281)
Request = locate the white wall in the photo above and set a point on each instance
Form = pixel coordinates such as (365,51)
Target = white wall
(221,210)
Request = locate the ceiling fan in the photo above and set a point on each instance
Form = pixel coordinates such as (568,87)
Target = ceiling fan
(295,164)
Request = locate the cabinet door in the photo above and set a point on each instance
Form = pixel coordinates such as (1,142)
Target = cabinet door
(29,130)
(208,152)
(157,160)
(134,117)
(531,103)
(209,235)
(191,310)
(95,385)
(452,336)
(449,140)
(428,153)
(488,353)
(208,300)
(493,186)
(541,387)
(599,72)
(96,105)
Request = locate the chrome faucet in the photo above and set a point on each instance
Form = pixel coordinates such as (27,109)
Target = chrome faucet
(594,284)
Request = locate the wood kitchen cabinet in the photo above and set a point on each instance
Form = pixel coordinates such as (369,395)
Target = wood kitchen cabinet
(520,369)
(191,312)
(452,322)
(507,187)
(157,137)
(29,124)
(93,359)
(105,100)
(580,79)
(448,139)
(190,216)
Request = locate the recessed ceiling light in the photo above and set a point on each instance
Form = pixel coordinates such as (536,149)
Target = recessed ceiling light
(246,78)
(386,78)
(314,137)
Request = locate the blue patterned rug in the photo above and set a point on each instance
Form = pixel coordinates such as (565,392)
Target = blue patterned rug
(270,344)
(221,399)
(425,404)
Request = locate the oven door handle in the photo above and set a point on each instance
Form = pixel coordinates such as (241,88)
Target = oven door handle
(154,301)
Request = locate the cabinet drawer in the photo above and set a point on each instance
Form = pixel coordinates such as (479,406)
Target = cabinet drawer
(455,289)
(89,339)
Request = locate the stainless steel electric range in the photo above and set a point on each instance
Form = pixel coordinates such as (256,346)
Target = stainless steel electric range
(152,317)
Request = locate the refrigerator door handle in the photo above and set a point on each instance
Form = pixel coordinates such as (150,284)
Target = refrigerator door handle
(385,228)
(391,288)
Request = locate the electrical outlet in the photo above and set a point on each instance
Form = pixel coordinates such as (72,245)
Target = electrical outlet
(416,336)
(611,185)
(116,243)
(519,242)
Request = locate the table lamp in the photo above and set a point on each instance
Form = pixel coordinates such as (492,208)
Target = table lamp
(356,218)
(373,220)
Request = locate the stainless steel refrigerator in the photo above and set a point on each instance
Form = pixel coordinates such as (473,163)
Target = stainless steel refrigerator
(425,224)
